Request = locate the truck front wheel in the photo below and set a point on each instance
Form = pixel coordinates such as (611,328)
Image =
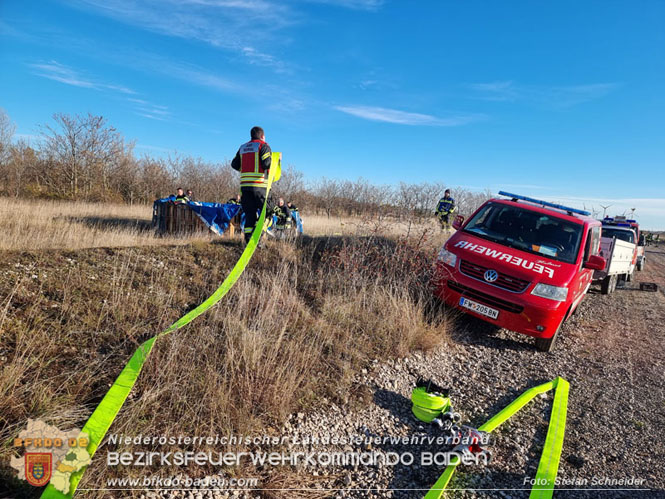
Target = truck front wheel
(547,344)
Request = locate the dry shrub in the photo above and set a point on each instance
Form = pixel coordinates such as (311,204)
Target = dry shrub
(293,330)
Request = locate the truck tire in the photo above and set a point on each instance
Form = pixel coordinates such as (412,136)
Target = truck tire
(609,284)
(547,344)
(629,277)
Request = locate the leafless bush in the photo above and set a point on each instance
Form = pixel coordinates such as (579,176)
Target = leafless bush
(84,158)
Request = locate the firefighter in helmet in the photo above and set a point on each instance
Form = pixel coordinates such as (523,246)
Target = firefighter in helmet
(444,209)
(253,162)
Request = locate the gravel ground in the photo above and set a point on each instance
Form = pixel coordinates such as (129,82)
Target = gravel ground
(611,352)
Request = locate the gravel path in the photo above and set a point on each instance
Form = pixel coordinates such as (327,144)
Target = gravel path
(611,352)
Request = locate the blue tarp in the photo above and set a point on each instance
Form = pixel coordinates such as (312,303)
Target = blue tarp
(218,215)
(215,215)
(296,218)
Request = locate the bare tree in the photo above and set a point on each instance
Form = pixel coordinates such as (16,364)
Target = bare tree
(7,129)
(84,152)
(21,166)
(328,193)
(291,184)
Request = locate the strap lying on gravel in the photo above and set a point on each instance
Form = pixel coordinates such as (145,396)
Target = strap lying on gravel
(107,410)
(549,460)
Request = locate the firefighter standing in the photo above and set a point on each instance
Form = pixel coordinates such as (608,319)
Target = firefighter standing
(253,162)
(444,209)
(283,214)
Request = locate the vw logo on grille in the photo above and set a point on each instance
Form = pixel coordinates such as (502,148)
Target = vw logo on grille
(491,275)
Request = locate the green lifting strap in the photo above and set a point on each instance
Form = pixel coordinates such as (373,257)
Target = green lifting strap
(549,459)
(107,410)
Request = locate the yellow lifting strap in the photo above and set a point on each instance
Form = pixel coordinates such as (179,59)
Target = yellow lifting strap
(107,410)
(549,459)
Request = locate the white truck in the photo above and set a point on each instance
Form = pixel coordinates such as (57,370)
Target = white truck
(618,247)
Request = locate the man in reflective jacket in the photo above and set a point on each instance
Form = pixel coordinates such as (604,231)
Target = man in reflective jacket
(180,196)
(444,209)
(283,223)
(253,162)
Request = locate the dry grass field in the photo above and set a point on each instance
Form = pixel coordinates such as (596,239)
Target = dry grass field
(81,288)
(37,224)
(30,224)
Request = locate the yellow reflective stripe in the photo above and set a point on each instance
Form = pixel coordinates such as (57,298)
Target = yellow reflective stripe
(253,175)
(256,162)
(548,466)
(266,155)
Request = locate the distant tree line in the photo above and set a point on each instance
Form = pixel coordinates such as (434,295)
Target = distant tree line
(83,158)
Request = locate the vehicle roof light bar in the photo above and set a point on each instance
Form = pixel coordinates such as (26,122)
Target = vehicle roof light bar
(515,197)
(617,221)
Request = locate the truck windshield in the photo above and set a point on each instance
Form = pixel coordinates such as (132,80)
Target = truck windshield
(624,235)
(527,230)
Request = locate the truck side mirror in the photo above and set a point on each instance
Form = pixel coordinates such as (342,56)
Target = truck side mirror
(595,262)
(457,223)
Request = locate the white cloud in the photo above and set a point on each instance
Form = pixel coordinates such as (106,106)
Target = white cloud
(150,110)
(370,5)
(498,90)
(53,70)
(234,25)
(556,96)
(406,118)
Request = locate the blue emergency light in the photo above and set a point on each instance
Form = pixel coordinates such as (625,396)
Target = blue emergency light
(618,223)
(515,197)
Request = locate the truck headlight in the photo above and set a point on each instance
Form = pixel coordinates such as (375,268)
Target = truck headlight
(447,257)
(550,292)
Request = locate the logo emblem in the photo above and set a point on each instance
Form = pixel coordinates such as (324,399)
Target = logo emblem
(491,275)
(37,468)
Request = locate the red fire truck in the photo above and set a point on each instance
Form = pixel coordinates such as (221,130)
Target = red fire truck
(520,263)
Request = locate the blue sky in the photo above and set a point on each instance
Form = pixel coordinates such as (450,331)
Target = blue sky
(562,100)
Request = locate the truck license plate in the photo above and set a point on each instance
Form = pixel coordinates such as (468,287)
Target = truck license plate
(479,308)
